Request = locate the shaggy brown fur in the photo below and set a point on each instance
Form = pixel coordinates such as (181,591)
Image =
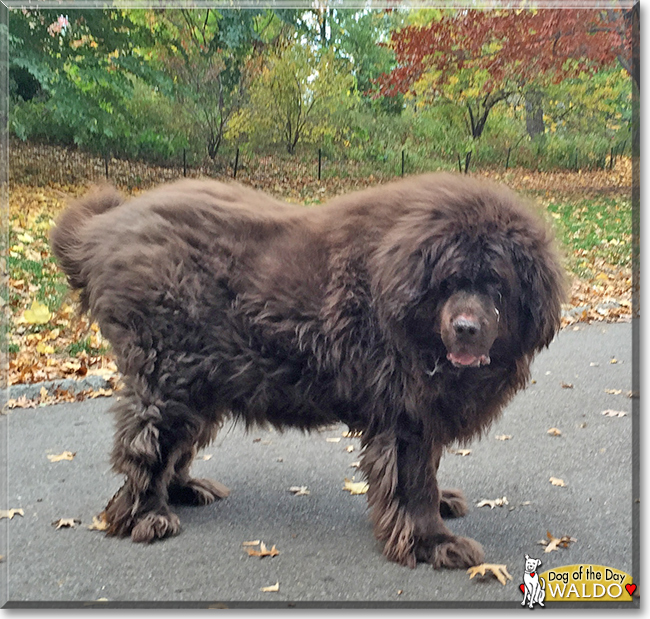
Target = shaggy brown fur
(410,311)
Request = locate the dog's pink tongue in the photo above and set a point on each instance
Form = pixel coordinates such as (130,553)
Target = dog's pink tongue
(468,360)
(463,358)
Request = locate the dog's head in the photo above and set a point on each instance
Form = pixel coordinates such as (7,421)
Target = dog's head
(531,564)
(474,270)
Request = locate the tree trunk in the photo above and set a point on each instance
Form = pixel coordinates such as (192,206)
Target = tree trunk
(534,113)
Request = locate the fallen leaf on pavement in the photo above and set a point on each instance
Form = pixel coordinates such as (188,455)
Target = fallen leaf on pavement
(503,437)
(552,543)
(99,523)
(557,482)
(299,490)
(263,551)
(460,452)
(614,391)
(500,572)
(349,449)
(62,523)
(66,455)
(254,542)
(567,385)
(10,513)
(355,465)
(554,432)
(355,487)
(333,440)
(271,588)
(612,413)
(493,502)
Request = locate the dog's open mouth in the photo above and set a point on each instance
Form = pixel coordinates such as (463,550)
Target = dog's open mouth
(468,360)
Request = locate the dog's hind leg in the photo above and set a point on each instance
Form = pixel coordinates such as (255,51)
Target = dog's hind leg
(187,490)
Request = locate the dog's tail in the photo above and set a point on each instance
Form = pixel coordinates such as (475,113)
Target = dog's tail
(66,237)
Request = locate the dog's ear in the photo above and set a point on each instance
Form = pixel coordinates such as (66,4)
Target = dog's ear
(407,267)
(539,562)
(527,557)
(542,290)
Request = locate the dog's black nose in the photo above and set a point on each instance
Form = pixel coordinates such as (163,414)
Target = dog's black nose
(466,327)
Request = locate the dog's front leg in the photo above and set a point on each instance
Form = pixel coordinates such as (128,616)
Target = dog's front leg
(404,498)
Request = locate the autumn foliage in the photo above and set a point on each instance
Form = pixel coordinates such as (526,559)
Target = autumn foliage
(510,46)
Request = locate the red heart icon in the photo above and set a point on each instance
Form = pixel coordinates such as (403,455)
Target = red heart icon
(630,588)
(523,588)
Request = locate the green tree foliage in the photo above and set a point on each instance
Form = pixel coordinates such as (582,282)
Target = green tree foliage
(75,73)
(206,53)
(297,96)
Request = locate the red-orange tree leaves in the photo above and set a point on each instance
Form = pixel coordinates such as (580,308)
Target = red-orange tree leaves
(514,46)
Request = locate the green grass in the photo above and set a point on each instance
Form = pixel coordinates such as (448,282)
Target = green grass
(594,231)
(85,346)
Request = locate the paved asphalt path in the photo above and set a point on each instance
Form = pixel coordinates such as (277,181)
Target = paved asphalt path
(327,551)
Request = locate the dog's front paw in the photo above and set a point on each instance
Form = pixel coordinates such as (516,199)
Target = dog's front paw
(154,525)
(197,492)
(453,552)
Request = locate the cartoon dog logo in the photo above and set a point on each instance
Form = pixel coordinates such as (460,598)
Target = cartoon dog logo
(534,586)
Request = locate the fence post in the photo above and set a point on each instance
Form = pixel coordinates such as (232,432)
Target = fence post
(319,162)
(106,164)
(234,175)
(508,157)
(402,162)
(184,164)
(460,166)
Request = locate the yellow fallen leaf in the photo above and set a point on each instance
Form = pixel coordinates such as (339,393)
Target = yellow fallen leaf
(503,437)
(271,588)
(612,413)
(557,482)
(25,238)
(355,487)
(500,572)
(38,314)
(66,455)
(10,513)
(99,523)
(554,432)
(44,349)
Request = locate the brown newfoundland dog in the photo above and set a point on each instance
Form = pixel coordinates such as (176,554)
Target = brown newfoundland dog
(410,312)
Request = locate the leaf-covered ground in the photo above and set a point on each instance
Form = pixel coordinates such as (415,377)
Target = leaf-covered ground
(46,338)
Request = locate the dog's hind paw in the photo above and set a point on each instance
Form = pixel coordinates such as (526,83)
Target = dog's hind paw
(155,525)
(197,492)
(452,504)
(456,553)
